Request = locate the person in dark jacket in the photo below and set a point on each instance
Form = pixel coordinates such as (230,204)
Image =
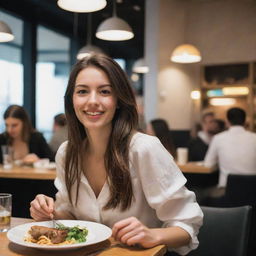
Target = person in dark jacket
(28,144)
(198,146)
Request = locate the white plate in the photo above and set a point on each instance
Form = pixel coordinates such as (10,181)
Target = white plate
(96,233)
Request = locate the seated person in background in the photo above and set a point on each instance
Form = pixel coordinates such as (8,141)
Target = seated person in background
(233,150)
(28,145)
(160,129)
(220,125)
(60,132)
(198,146)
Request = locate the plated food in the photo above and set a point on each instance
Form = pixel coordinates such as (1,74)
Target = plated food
(56,236)
(96,233)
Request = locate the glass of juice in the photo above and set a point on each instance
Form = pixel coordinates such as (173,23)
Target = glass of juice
(5,211)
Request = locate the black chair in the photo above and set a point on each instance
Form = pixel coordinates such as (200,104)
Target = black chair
(240,190)
(225,232)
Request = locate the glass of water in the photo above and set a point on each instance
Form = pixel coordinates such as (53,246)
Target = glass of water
(7,153)
(5,211)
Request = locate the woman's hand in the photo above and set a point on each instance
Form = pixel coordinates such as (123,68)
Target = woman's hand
(30,158)
(131,231)
(42,208)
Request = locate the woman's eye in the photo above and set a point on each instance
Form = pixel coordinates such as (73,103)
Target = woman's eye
(105,92)
(81,91)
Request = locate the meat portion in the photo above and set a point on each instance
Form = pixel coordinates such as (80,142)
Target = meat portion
(55,235)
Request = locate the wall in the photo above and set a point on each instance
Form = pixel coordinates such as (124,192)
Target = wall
(223,30)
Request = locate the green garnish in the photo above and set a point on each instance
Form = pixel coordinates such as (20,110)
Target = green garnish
(76,233)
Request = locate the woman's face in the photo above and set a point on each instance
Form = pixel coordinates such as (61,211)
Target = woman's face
(94,99)
(14,127)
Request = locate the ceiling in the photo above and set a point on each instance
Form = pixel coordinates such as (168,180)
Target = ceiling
(47,13)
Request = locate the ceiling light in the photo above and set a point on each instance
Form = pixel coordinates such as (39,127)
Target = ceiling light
(140,66)
(135,77)
(222,101)
(195,95)
(88,49)
(82,5)
(186,53)
(6,34)
(114,28)
(242,90)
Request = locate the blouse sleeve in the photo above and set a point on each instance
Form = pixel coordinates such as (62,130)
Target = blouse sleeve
(62,201)
(163,186)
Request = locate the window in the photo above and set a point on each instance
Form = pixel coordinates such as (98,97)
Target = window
(11,68)
(52,72)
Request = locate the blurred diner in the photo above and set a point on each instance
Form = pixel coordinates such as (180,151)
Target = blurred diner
(28,145)
(60,132)
(198,146)
(159,128)
(233,150)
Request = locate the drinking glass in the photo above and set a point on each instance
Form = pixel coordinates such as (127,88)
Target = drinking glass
(182,155)
(5,211)
(7,154)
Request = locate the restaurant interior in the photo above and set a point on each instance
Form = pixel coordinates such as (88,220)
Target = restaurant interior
(218,36)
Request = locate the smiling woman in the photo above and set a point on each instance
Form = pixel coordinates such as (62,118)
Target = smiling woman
(108,172)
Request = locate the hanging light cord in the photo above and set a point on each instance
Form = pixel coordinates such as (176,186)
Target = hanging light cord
(75,26)
(114,8)
(89,29)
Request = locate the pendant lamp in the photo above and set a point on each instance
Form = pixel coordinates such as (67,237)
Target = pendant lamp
(88,49)
(114,28)
(82,5)
(186,53)
(140,66)
(6,34)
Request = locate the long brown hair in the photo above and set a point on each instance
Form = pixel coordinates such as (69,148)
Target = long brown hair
(125,121)
(16,111)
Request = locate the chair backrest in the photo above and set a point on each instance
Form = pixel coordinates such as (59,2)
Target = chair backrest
(240,190)
(225,232)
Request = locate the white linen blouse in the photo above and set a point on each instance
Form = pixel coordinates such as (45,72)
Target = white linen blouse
(160,197)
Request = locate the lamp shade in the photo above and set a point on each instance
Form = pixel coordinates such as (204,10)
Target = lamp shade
(82,5)
(140,66)
(6,34)
(88,50)
(114,29)
(186,53)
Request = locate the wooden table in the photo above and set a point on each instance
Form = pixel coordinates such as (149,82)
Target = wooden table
(19,172)
(196,167)
(106,248)
(50,174)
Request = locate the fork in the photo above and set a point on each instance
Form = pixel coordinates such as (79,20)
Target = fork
(55,222)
